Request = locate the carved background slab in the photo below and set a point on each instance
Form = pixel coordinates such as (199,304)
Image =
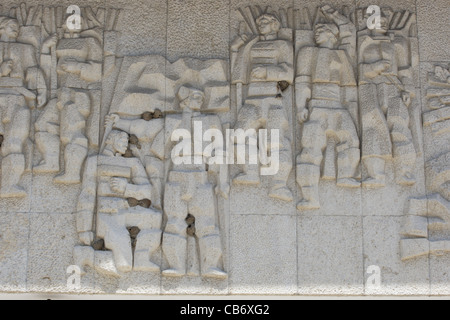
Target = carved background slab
(74,205)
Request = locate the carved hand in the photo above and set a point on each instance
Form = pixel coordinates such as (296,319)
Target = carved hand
(334,15)
(119,185)
(383,65)
(6,68)
(71,66)
(303,115)
(406,97)
(223,190)
(239,42)
(41,98)
(259,73)
(111,120)
(49,43)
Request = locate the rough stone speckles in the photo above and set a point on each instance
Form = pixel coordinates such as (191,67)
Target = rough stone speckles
(14,231)
(263,255)
(329,262)
(382,249)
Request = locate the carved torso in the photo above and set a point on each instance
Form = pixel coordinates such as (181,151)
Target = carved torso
(23,58)
(86,51)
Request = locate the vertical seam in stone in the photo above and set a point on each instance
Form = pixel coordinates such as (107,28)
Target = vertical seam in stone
(164,153)
(423,140)
(227,227)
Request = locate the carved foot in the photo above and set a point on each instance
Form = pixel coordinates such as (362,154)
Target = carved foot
(142,264)
(215,273)
(45,167)
(66,179)
(348,183)
(408,179)
(173,273)
(282,193)
(247,179)
(374,183)
(13,192)
(308,205)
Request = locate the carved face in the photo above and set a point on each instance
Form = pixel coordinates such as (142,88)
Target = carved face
(323,34)
(121,143)
(11,30)
(384,26)
(194,101)
(267,24)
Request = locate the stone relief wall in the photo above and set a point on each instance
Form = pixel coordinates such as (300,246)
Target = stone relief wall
(116,156)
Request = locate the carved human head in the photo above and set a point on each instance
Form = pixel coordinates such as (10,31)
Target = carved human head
(326,34)
(268,24)
(9,28)
(384,25)
(118,141)
(191,98)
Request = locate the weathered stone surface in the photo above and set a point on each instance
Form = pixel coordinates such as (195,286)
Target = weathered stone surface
(116,170)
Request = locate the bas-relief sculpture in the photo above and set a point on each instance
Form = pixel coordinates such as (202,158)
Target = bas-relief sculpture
(326,96)
(427,225)
(188,199)
(386,91)
(353,89)
(22,88)
(262,59)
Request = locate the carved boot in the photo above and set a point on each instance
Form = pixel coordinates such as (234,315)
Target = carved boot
(404,167)
(13,167)
(249,177)
(49,146)
(279,189)
(376,171)
(174,248)
(308,177)
(74,157)
(348,161)
(147,242)
(210,254)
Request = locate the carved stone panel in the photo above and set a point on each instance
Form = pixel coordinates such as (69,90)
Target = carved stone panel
(223,147)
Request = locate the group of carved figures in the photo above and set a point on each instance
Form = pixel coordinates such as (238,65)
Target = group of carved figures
(354,98)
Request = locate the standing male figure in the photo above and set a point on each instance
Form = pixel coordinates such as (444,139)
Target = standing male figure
(325,81)
(262,64)
(79,69)
(385,92)
(22,84)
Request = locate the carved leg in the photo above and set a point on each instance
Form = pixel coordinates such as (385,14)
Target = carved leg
(13,162)
(117,239)
(49,146)
(13,167)
(314,142)
(74,156)
(174,244)
(174,248)
(348,150)
(376,170)
(278,121)
(308,177)
(404,152)
(146,243)
(210,255)
(249,118)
